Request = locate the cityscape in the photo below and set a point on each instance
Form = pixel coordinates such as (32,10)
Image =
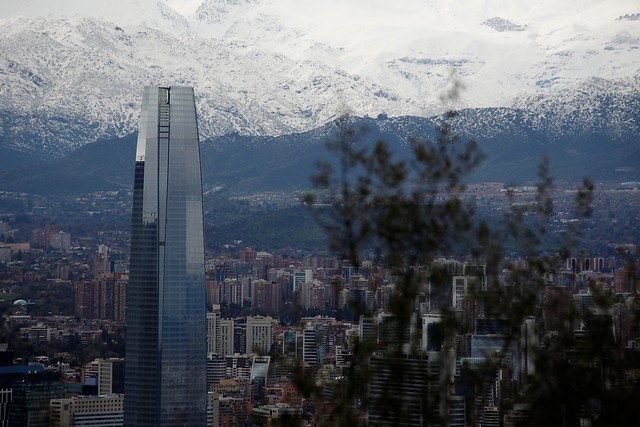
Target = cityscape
(276,318)
(64,303)
(269,213)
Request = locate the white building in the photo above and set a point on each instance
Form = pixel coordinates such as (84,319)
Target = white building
(300,277)
(259,334)
(224,337)
(213,322)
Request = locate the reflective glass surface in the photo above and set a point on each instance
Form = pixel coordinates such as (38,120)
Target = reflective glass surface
(165,382)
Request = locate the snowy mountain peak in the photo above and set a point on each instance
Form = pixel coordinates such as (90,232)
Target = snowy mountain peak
(156,14)
(72,70)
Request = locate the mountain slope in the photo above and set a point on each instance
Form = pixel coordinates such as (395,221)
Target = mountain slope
(72,71)
(512,140)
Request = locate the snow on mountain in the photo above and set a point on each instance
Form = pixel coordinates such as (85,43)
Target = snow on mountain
(72,71)
(150,13)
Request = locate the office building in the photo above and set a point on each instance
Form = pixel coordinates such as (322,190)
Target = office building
(529,346)
(94,411)
(267,296)
(225,337)
(110,376)
(290,343)
(213,320)
(259,334)
(300,277)
(433,334)
(240,335)
(105,297)
(165,381)
(313,344)
(259,375)
(403,392)
(216,369)
(31,393)
(391,334)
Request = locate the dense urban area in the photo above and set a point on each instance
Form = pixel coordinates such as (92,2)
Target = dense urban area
(284,308)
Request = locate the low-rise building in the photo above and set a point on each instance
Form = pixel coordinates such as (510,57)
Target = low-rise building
(95,411)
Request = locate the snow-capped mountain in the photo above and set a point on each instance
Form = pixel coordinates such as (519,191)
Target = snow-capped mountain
(72,71)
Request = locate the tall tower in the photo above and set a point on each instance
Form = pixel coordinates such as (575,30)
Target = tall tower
(165,381)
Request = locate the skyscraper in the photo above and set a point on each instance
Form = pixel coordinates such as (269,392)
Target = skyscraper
(165,381)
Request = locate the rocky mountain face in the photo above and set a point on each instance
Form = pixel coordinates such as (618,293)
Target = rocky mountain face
(72,72)
(513,147)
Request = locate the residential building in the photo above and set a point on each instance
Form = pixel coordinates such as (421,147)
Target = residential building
(259,334)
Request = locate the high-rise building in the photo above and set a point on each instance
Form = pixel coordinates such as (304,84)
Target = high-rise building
(559,310)
(267,296)
(259,334)
(300,277)
(109,296)
(101,261)
(31,393)
(290,343)
(213,321)
(165,381)
(231,292)
(110,376)
(529,343)
(84,299)
(433,333)
(313,344)
(216,369)
(403,392)
(312,295)
(225,337)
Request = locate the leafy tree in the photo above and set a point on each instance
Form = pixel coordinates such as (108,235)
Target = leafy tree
(404,212)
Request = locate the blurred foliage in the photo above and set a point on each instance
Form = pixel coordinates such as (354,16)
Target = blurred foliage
(403,214)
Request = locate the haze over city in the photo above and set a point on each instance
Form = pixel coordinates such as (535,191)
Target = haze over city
(279,212)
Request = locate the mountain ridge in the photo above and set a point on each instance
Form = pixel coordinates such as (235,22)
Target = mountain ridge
(238,163)
(74,71)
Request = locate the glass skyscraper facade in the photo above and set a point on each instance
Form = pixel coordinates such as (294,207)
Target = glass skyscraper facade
(165,368)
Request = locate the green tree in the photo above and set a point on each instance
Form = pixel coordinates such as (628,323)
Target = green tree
(403,212)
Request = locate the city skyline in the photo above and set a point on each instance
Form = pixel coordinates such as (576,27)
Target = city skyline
(417,213)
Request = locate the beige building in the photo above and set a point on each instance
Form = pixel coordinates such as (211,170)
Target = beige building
(95,411)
